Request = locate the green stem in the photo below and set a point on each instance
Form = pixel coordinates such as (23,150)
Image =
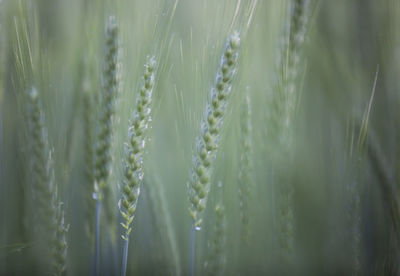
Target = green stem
(96,268)
(192,250)
(125,257)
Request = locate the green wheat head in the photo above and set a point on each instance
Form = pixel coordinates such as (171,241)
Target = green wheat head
(208,141)
(285,100)
(59,241)
(245,178)
(51,216)
(42,189)
(107,109)
(216,262)
(287,89)
(89,120)
(134,150)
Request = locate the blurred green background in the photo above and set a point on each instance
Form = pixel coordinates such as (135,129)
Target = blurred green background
(346,43)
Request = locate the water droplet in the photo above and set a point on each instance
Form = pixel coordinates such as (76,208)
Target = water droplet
(140,176)
(197,228)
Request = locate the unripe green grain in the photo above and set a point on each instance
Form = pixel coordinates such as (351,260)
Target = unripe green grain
(287,88)
(281,124)
(135,149)
(134,152)
(51,217)
(40,177)
(245,166)
(59,243)
(88,117)
(103,142)
(216,260)
(210,133)
(107,109)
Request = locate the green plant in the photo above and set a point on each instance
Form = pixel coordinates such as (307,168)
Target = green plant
(285,101)
(157,198)
(59,241)
(300,191)
(207,144)
(51,227)
(133,165)
(103,141)
(88,110)
(216,260)
(355,187)
(245,166)
(43,190)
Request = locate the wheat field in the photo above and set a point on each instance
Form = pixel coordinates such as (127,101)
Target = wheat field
(184,137)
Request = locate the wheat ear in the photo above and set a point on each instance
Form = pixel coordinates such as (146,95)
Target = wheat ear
(285,99)
(88,110)
(134,152)
(215,265)
(107,109)
(41,180)
(50,212)
(103,145)
(59,242)
(207,143)
(245,166)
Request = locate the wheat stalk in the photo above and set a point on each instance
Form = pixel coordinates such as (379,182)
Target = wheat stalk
(207,143)
(285,101)
(103,143)
(134,152)
(157,198)
(52,226)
